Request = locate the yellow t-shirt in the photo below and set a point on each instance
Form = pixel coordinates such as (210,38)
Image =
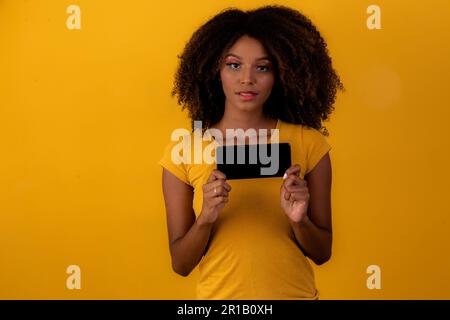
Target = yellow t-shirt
(252,252)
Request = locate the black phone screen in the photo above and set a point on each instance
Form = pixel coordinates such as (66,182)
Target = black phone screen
(253,160)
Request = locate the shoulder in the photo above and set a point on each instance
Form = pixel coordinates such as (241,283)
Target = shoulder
(302,132)
(182,141)
(313,135)
(310,143)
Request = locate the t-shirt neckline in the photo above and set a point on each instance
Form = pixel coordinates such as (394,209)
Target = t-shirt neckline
(278,126)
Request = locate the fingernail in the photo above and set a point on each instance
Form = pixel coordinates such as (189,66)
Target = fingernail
(285,176)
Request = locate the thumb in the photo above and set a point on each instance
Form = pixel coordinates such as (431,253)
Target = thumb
(295,169)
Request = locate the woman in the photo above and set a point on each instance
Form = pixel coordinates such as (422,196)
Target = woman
(262,69)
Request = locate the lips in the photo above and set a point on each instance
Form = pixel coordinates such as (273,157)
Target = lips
(247,93)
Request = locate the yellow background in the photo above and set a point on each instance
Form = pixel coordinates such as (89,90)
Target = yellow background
(85,114)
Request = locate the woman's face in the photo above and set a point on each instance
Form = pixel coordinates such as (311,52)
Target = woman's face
(247,75)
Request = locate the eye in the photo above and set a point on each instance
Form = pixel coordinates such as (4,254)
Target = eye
(233,65)
(263,68)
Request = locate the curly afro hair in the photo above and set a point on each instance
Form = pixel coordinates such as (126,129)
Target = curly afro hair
(305,84)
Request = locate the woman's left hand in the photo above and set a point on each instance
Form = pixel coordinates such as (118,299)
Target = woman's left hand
(294,195)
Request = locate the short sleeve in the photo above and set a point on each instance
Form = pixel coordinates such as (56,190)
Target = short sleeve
(172,162)
(316,147)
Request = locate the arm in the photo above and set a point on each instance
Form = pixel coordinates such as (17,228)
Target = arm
(314,234)
(188,237)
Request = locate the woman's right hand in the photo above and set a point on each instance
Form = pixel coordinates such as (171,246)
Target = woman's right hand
(215,196)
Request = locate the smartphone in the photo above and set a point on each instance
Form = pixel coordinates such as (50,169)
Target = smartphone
(251,161)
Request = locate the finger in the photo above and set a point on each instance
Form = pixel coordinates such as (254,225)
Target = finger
(293,197)
(218,200)
(293,180)
(223,183)
(215,175)
(219,192)
(227,186)
(298,196)
(284,193)
(287,194)
(295,169)
(217,184)
(300,189)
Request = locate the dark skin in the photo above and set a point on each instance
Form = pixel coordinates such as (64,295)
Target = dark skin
(312,226)
(314,234)
(306,202)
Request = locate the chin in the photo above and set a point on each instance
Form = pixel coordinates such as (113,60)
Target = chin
(249,107)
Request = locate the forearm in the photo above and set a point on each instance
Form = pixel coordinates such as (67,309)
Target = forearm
(188,250)
(315,241)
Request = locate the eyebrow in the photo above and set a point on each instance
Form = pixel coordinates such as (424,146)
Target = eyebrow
(235,55)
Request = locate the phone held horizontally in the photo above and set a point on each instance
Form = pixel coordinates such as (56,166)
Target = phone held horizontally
(250,161)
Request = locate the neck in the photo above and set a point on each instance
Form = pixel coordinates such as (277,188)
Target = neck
(245,120)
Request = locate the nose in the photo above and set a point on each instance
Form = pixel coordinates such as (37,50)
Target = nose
(247,76)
